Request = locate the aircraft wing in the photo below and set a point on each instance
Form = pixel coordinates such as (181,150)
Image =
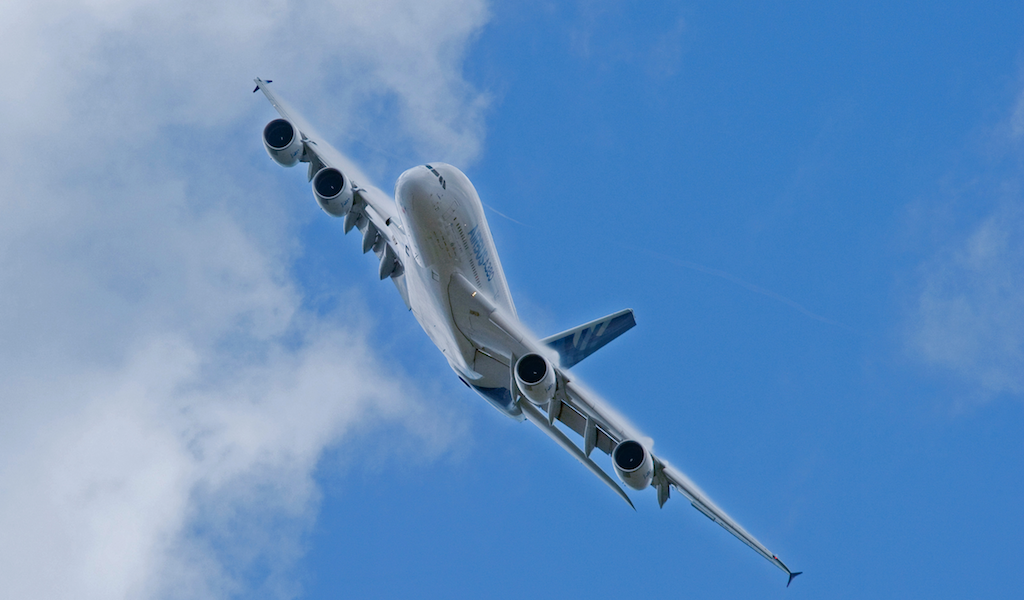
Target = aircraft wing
(602,428)
(597,423)
(372,211)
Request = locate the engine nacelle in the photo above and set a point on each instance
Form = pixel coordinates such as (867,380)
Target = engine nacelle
(633,464)
(535,378)
(333,191)
(283,142)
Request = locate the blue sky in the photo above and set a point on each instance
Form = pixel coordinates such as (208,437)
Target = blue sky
(815,212)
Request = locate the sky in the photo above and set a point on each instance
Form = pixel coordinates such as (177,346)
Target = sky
(816,213)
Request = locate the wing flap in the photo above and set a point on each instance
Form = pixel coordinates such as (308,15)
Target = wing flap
(554,433)
(577,421)
(572,418)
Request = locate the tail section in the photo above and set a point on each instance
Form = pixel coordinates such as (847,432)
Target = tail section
(580,342)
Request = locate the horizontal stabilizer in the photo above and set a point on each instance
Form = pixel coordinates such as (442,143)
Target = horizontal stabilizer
(580,342)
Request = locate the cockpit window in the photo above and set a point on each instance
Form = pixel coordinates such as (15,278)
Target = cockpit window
(438,175)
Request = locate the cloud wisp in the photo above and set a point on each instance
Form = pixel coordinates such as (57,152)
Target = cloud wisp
(968,314)
(166,393)
(714,273)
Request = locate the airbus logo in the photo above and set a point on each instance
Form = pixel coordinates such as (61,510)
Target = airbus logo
(482,257)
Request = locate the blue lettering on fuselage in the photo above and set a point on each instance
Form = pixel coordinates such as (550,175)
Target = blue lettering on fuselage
(482,258)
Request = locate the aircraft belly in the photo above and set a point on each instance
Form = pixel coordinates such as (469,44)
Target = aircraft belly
(429,301)
(449,233)
(495,383)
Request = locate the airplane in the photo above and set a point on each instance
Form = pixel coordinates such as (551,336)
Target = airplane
(432,240)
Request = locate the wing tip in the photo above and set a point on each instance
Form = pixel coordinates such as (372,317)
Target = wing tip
(792,576)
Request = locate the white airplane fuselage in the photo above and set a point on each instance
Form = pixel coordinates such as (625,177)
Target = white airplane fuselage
(443,217)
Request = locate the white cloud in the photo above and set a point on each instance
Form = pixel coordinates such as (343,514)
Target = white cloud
(166,396)
(109,469)
(131,66)
(970,312)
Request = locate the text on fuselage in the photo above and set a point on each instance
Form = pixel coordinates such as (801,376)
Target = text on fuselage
(482,257)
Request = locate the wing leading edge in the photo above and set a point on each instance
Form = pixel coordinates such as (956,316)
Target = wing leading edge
(372,211)
(702,503)
(577,407)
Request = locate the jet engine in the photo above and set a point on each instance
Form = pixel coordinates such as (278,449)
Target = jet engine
(535,378)
(283,142)
(633,464)
(333,191)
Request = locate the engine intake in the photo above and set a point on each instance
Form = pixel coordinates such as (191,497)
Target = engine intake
(333,191)
(535,378)
(283,142)
(633,464)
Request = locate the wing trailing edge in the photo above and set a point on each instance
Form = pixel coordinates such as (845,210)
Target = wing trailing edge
(542,422)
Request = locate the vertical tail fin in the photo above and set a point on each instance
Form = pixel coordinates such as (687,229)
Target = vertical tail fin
(580,342)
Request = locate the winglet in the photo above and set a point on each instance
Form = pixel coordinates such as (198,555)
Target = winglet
(791,576)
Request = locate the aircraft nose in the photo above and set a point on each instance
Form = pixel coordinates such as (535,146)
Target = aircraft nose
(414,184)
(416,193)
